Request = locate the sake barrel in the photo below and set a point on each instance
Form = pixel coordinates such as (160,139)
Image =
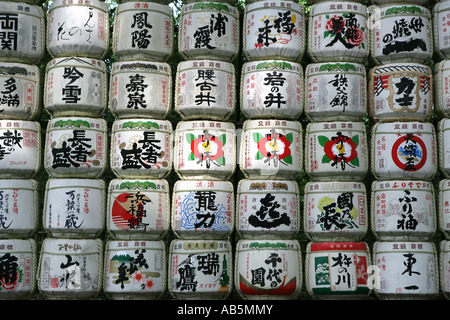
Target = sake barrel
(400,32)
(135,269)
(335,211)
(271,149)
(37,2)
(19,264)
(403,210)
(267,209)
(443,129)
(140,89)
(338,32)
(19,208)
(76,147)
(158,1)
(78,28)
(440,18)
(337,270)
(143,31)
(70,268)
(20,148)
(336,151)
(20,91)
(203,209)
(444,268)
(200,269)
(407,270)
(272,89)
(274,30)
(268,269)
(335,91)
(141,148)
(408,2)
(22,31)
(209,30)
(443,207)
(76,87)
(74,208)
(403,150)
(205,89)
(441,81)
(205,150)
(400,92)
(138,209)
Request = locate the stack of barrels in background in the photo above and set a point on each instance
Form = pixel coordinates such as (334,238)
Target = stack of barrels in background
(266,151)
(22,49)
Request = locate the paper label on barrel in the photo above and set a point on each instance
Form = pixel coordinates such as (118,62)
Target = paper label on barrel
(18,269)
(339,30)
(273,88)
(21,32)
(17,209)
(141,148)
(207,88)
(200,267)
(18,147)
(278,30)
(401,91)
(207,148)
(78,29)
(209,29)
(336,214)
(402,31)
(272,147)
(271,269)
(337,149)
(74,209)
(444,206)
(203,209)
(268,207)
(335,89)
(406,150)
(132,267)
(143,29)
(139,89)
(138,206)
(339,268)
(76,146)
(77,84)
(404,207)
(70,269)
(19,91)
(407,268)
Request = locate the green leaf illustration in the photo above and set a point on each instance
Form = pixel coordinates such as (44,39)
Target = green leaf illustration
(325,159)
(288,159)
(191,156)
(256,136)
(290,137)
(259,156)
(190,137)
(323,140)
(223,138)
(355,162)
(355,139)
(221,161)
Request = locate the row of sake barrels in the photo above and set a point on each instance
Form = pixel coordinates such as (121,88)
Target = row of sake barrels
(400,210)
(192,269)
(77,147)
(270,89)
(337,31)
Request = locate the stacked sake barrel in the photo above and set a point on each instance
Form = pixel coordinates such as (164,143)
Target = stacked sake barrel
(403,152)
(336,151)
(138,201)
(22,43)
(441,95)
(75,97)
(200,259)
(268,262)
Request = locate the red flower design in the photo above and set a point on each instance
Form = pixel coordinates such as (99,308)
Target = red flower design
(207,145)
(341,148)
(355,36)
(278,145)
